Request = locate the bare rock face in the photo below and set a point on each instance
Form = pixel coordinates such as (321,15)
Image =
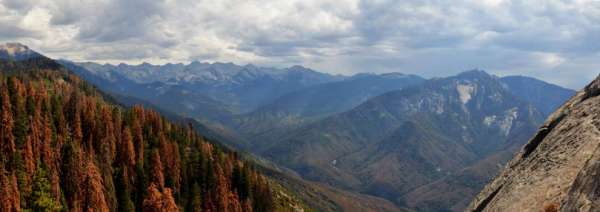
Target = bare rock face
(559,168)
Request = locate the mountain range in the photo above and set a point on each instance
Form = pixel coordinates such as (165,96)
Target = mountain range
(423,144)
(396,142)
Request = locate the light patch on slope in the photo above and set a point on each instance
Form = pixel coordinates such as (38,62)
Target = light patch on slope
(509,117)
(464,92)
(488,120)
(503,123)
(189,106)
(439,109)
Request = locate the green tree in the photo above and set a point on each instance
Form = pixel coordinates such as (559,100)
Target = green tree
(241,181)
(41,197)
(123,192)
(195,199)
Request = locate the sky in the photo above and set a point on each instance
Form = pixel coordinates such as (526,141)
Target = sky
(554,40)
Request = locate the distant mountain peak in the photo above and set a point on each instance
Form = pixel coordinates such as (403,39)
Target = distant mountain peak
(250,65)
(14,48)
(17,51)
(389,75)
(474,73)
(298,67)
(393,75)
(146,64)
(195,63)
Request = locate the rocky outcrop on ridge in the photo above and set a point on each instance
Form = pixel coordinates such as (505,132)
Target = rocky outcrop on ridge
(558,169)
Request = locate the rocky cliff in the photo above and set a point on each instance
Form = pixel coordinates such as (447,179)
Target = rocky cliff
(558,168)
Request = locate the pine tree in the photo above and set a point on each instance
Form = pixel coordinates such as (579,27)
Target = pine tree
(195,199)
(28,165)
(123,192)
(262,196)
(77,133)
(20,115)
(73,176)
(48,158)
(10,198)
(169,152)
(222,190)
(41,198)
(94,197)
(127,150)
(7,140)
(157,201)
(156,176)
(241,181)
(140,186)
(138,140)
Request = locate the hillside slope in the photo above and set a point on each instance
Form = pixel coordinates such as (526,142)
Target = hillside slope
(404,139)
(455,191)
(544,96)
(311,104)
(65,146)
(557,168)
(316,196)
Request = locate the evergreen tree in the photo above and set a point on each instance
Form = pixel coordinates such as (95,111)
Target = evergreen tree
(195,199)
(10,199)
(41,198)
(123,192)
(7,140)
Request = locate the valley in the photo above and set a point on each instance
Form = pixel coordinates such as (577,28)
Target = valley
(393,136)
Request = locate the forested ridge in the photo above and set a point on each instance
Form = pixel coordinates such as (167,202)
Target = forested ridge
(66,147)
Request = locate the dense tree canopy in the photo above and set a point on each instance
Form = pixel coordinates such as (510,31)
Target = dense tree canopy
(65,146)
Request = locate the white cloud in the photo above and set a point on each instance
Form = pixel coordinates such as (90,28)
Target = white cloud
(542,38)
(549,60)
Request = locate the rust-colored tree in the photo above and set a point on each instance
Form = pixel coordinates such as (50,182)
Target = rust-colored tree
(126,156)
(94,195)
(158,201)
(138,139)
(157,177)
(7,142)
(10,198)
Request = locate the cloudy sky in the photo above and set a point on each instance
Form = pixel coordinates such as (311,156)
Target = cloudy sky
(555,40)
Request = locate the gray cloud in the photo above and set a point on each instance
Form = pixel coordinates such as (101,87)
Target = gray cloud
(121,20)
(555,40)
(10,31)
